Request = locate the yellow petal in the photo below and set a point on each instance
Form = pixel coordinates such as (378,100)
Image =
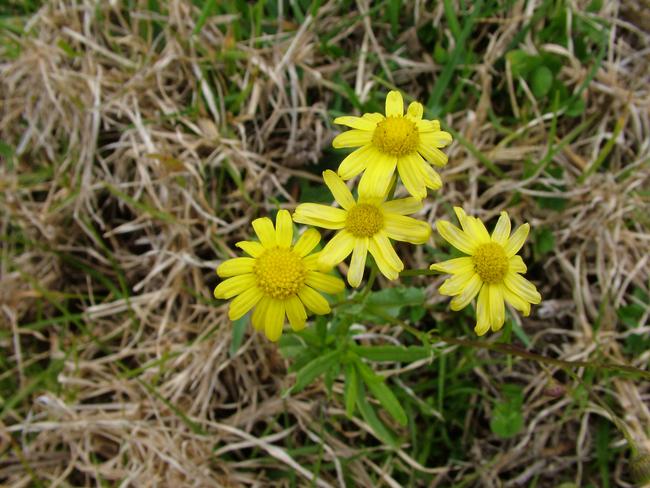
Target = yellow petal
(339,189)
(470,290)
(374,117)
(258,318)
(431,178)
(265,232)
(436,139)
(501,231)
(355,162)
(483,312)
(456,284)
(406,229)
(454,266)
(517,240)
(236,266)
(337,249)
(324,282)
(314,301)
(312,263)
(415,110)
(516,264)
(361,123)
(456,237)
(377,177)
(352,138)
(307,242)
(472,226)
(296,312)
(433,155)
(394,104)
(358,261)
(244,302)
(520,286)
(409,172)
(402,206)
(382,249)
(274,320)
(427,125)
(497,307)
(320,215)
(516,301)
(283,229)
(251,248)
(387,260)
(234,286)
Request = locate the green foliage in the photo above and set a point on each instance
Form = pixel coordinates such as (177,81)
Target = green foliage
(507,418)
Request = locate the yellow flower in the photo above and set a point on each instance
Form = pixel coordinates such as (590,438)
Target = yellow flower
(366,225)
(395,141)
(491,270)
(277,279)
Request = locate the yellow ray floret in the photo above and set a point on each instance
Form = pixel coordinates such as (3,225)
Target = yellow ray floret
(366,225)
(491,271)
(278,278)
(405,142)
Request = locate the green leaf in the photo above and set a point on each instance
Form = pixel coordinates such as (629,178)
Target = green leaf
(542,81)
(290,345)
(521,63)
(351,387)
(393,353)
(507,418)
(314,369)
(381,392)
(370,416)
(544,241)
(238,330)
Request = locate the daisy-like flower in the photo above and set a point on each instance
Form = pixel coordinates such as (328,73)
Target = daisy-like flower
(277,279)
(366,225)
(492,269)
(394,141)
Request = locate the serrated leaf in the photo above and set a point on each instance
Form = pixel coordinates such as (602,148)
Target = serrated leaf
(381,392)
(351,387)
(370,416)
(393,353)
(314,369)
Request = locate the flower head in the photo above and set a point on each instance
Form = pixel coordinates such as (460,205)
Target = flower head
(393,141)
(492,269)
(277,279)
(364,225)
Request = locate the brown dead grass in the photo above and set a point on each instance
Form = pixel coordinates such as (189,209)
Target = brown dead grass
(132,195)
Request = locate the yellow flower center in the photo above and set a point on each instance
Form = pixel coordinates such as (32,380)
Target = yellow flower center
(491,262)
(280,273)
(364,220)
(396,136)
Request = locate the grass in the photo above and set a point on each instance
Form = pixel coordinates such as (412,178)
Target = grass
(139,141)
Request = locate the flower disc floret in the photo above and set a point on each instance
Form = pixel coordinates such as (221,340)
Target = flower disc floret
(396,136)
(364,220)
(490,262)
(279,272)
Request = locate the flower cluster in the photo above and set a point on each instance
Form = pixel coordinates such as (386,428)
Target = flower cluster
(281,278)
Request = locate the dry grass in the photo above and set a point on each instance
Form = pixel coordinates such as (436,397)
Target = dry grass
(144,144)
